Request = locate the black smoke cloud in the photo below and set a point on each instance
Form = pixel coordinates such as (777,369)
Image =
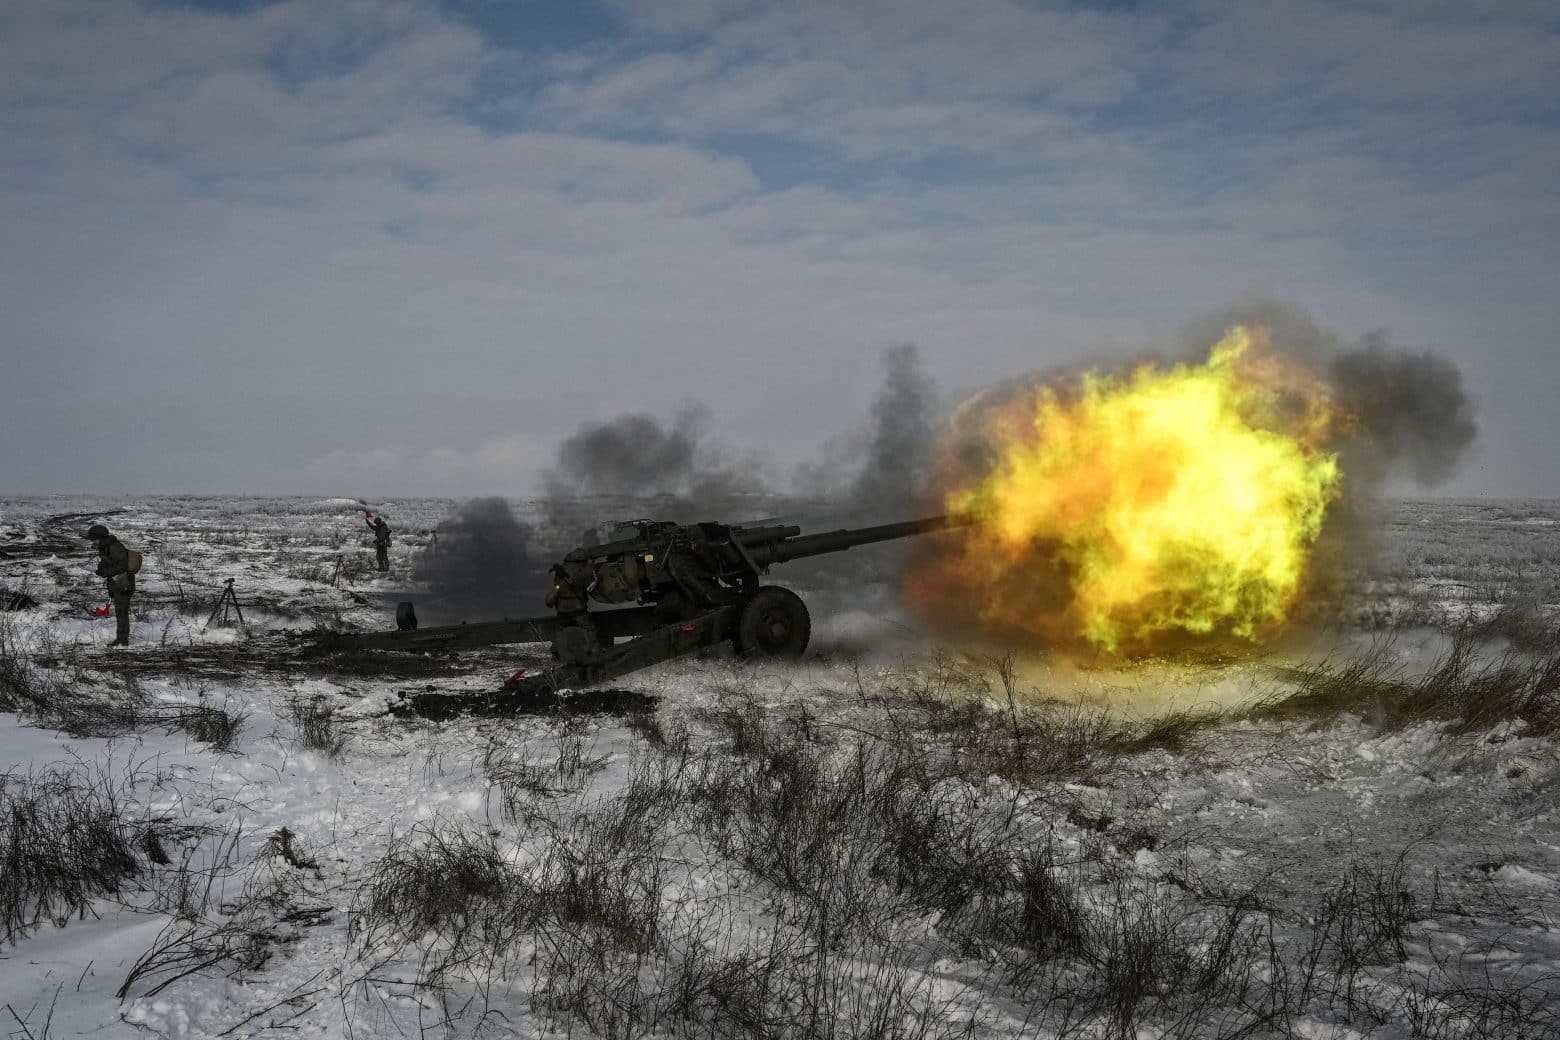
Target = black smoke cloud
(486,563)
(1412,416)
(683,471)
(679,464)
(1416,418)
(480,564)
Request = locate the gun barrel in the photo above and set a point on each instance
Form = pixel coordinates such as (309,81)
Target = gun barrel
(798,547)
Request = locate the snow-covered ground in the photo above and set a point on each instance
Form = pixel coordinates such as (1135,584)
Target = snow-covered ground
(890,838)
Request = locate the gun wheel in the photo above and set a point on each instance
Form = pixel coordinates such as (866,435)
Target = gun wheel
(773,623)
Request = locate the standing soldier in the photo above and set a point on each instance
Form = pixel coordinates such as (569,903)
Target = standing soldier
(381,539)
(114,568)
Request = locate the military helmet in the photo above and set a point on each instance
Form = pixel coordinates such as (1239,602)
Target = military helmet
(96,532)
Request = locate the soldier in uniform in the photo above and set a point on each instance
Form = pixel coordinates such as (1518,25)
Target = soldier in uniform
(381,540)
(576,638)
(114,568)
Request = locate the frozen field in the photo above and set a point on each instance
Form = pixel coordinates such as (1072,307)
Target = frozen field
(1354,835)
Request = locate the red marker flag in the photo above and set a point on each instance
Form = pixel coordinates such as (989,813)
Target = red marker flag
(106,610)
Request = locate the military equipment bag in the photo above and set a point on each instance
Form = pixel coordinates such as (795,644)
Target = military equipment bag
(617,581)
(133,561)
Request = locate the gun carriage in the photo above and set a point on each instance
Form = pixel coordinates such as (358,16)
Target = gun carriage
(690,586)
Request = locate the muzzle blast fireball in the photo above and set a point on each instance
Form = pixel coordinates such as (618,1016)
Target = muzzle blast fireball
(1129,513)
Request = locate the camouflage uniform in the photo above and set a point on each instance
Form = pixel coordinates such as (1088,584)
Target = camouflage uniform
(114,567)
(576,638)
(381,541)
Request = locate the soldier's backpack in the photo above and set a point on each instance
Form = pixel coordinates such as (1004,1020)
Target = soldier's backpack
(133,561)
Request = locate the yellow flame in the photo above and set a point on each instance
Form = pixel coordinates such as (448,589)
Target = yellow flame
(1170,501)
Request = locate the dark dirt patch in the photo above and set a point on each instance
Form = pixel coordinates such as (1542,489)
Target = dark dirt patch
(284,656)
(438,706)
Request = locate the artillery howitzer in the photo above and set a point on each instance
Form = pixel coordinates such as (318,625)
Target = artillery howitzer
(692,586)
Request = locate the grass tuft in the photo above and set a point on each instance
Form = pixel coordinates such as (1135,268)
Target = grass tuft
(1471,693)
(315,725)
(65,841)
(218,726)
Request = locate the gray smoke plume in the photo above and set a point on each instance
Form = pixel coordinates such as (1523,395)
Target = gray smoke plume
(1413,416)
(1416,418)
(484,563)
(877,473)
(894,474)
(479,565)
(1293,331)
(679,465)
(881,467)
(884,467)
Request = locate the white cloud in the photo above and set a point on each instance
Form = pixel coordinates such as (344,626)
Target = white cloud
(1463,58)
(867,80)
(300,199)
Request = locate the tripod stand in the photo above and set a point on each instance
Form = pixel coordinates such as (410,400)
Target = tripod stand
(227,605)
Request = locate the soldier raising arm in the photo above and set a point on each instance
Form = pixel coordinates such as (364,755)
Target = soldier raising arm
(381,539)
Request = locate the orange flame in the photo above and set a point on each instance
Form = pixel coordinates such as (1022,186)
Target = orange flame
(1127,511)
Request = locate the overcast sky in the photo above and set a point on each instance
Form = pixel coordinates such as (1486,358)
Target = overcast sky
(378,247)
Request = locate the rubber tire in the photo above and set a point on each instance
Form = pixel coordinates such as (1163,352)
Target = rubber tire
(574,644)
(773,623)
